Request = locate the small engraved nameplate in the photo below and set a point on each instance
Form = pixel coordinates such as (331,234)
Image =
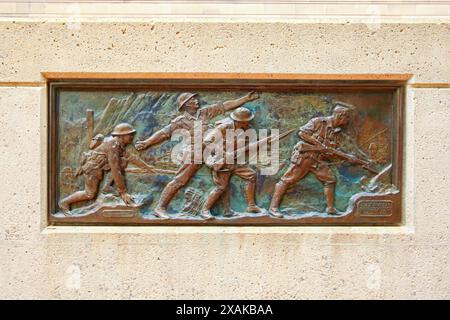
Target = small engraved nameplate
(120,212)
(370,208)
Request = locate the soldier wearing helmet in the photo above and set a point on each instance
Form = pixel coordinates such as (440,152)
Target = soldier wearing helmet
(189,105)
(318,134)
(105,156)
(238,122)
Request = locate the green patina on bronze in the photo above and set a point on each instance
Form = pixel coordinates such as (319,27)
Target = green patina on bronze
(369,135)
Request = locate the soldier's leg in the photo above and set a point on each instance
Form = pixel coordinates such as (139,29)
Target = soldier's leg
(221,179)
(249,175)
(109,182)
(91,183)
(227,211)
(294,174)
(325,175)
(182,178)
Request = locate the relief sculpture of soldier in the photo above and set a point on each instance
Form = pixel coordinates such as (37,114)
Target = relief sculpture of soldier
(106,154)
(191,112)
(238,120)
(319,146)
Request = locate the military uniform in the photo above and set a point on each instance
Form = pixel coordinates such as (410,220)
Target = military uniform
(125,159)
(222,175)
(186,122)
(108,156)
(304,161)
(309,158)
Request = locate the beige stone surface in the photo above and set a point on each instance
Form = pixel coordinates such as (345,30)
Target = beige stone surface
(29,48)
(411,261)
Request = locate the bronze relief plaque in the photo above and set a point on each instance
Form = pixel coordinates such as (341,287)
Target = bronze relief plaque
(210,149)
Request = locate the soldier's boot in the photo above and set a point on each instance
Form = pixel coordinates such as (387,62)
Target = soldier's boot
(329,196)
(206,214)
(78,196)
(161,212)
(64,206)
(210,201)
(280,190)
(166,196)
(230,213)
(227,211)
(250,194)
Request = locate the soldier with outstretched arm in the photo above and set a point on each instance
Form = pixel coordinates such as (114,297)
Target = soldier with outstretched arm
(191,112)
(105,156)
(310,156)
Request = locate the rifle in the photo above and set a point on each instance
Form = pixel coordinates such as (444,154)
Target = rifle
(144,167)
(339,154)
(349,158)
(152,171)
(217,162)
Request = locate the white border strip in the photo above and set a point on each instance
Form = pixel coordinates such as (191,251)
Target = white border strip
(268,11)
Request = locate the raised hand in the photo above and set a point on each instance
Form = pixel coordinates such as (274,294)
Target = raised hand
(140,145)
(252,96)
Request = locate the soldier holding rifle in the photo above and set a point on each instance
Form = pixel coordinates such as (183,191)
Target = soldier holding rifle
(221,171)
(321,138)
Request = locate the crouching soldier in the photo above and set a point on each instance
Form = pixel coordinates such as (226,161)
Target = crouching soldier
(222,171)
(105,156)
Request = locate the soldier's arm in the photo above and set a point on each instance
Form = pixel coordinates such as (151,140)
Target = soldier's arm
(118,178)
(212,136)
(214,110)
(307,136)
(155,139)
(233,104)
(138,162)
(306,132)
(116,172)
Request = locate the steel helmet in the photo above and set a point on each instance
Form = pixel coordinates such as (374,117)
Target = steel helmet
(122,129)
(242,114)
(183,98)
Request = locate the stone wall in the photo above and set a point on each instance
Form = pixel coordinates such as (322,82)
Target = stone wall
(410,261)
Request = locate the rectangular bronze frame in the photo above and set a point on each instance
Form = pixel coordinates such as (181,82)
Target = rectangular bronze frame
(231,81)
